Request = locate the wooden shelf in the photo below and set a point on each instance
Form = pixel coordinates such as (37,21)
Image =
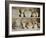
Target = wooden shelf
(26,17)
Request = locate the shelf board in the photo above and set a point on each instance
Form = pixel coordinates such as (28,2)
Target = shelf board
(26,17)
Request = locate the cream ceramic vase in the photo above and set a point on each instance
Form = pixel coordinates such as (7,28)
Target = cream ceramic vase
(28,13)
(18,22)
(35,14)
(30,25)
(35,26)
(22,10)
(24,25)
(22,15)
